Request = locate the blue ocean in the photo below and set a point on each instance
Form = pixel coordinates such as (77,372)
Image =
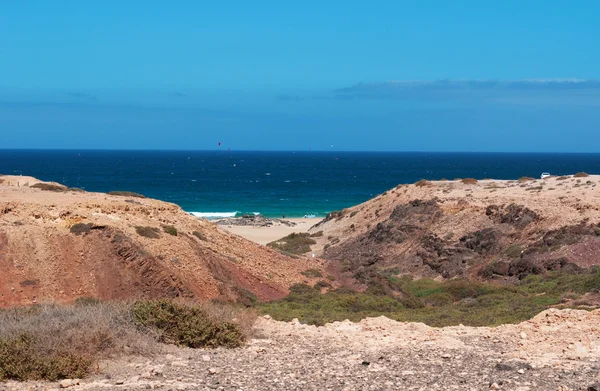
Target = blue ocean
(294,184)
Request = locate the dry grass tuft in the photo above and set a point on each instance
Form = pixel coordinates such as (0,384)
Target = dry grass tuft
(51,342)
(469,181)
(581,175)
(148,232)
(524,179)
(423,183)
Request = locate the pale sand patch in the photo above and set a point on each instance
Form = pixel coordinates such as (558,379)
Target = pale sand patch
(264,235)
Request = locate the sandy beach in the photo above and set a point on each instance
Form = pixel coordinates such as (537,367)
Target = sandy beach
(264,235)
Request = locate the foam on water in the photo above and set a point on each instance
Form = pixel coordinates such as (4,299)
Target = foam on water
(214,215)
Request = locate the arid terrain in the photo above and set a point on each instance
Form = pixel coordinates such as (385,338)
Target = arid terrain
(65,244)
(459,235)
(490,229)
(558,350)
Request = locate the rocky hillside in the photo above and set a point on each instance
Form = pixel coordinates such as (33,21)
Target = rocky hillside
(61,244)
(467,228)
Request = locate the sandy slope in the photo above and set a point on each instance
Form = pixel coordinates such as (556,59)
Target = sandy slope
(40,259)
(264,235)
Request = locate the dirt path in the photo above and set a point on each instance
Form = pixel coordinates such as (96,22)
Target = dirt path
(557,350)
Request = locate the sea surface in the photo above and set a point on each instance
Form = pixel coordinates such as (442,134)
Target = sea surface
(294,184)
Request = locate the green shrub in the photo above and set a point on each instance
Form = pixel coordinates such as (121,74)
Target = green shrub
(185,325)
(81,228)
(513,251)
(435,303)
(148,232)
(294,243)
(312,273)
(438,299)
(126,194)
(581,175)
(170,230)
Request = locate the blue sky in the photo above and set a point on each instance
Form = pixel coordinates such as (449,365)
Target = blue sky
(378,75)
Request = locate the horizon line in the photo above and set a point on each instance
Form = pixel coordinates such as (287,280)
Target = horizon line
(292,150)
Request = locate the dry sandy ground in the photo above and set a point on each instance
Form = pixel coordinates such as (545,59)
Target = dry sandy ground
(558,350)
(264,235)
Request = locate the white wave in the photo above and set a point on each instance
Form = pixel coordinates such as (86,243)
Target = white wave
(214,215)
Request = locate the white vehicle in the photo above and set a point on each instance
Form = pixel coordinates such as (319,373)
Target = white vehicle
(545,175)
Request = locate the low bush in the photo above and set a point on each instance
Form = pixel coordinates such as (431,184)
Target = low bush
(52,342)
(423,183)
(186,325)
(148,232)
(312,273)
(170,230)
(581,175)
(294,243)
(317,234)
(126,194)
(514,251)
(469,181)
(322,284)
(81,228)
(48,187)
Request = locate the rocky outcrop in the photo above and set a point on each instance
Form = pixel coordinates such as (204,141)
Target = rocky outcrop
(493,229)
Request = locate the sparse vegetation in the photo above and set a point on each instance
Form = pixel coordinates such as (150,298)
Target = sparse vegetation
(48,187)
(317,234)
(322,284)
(81,228)
(170,230)
(423,183)
(312,273)
(185,325)
(514,251)
(524,179)
(126,194)
(435,303)
(581,175)
(469,181)
(294,243)
(148,232)
(54,342)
